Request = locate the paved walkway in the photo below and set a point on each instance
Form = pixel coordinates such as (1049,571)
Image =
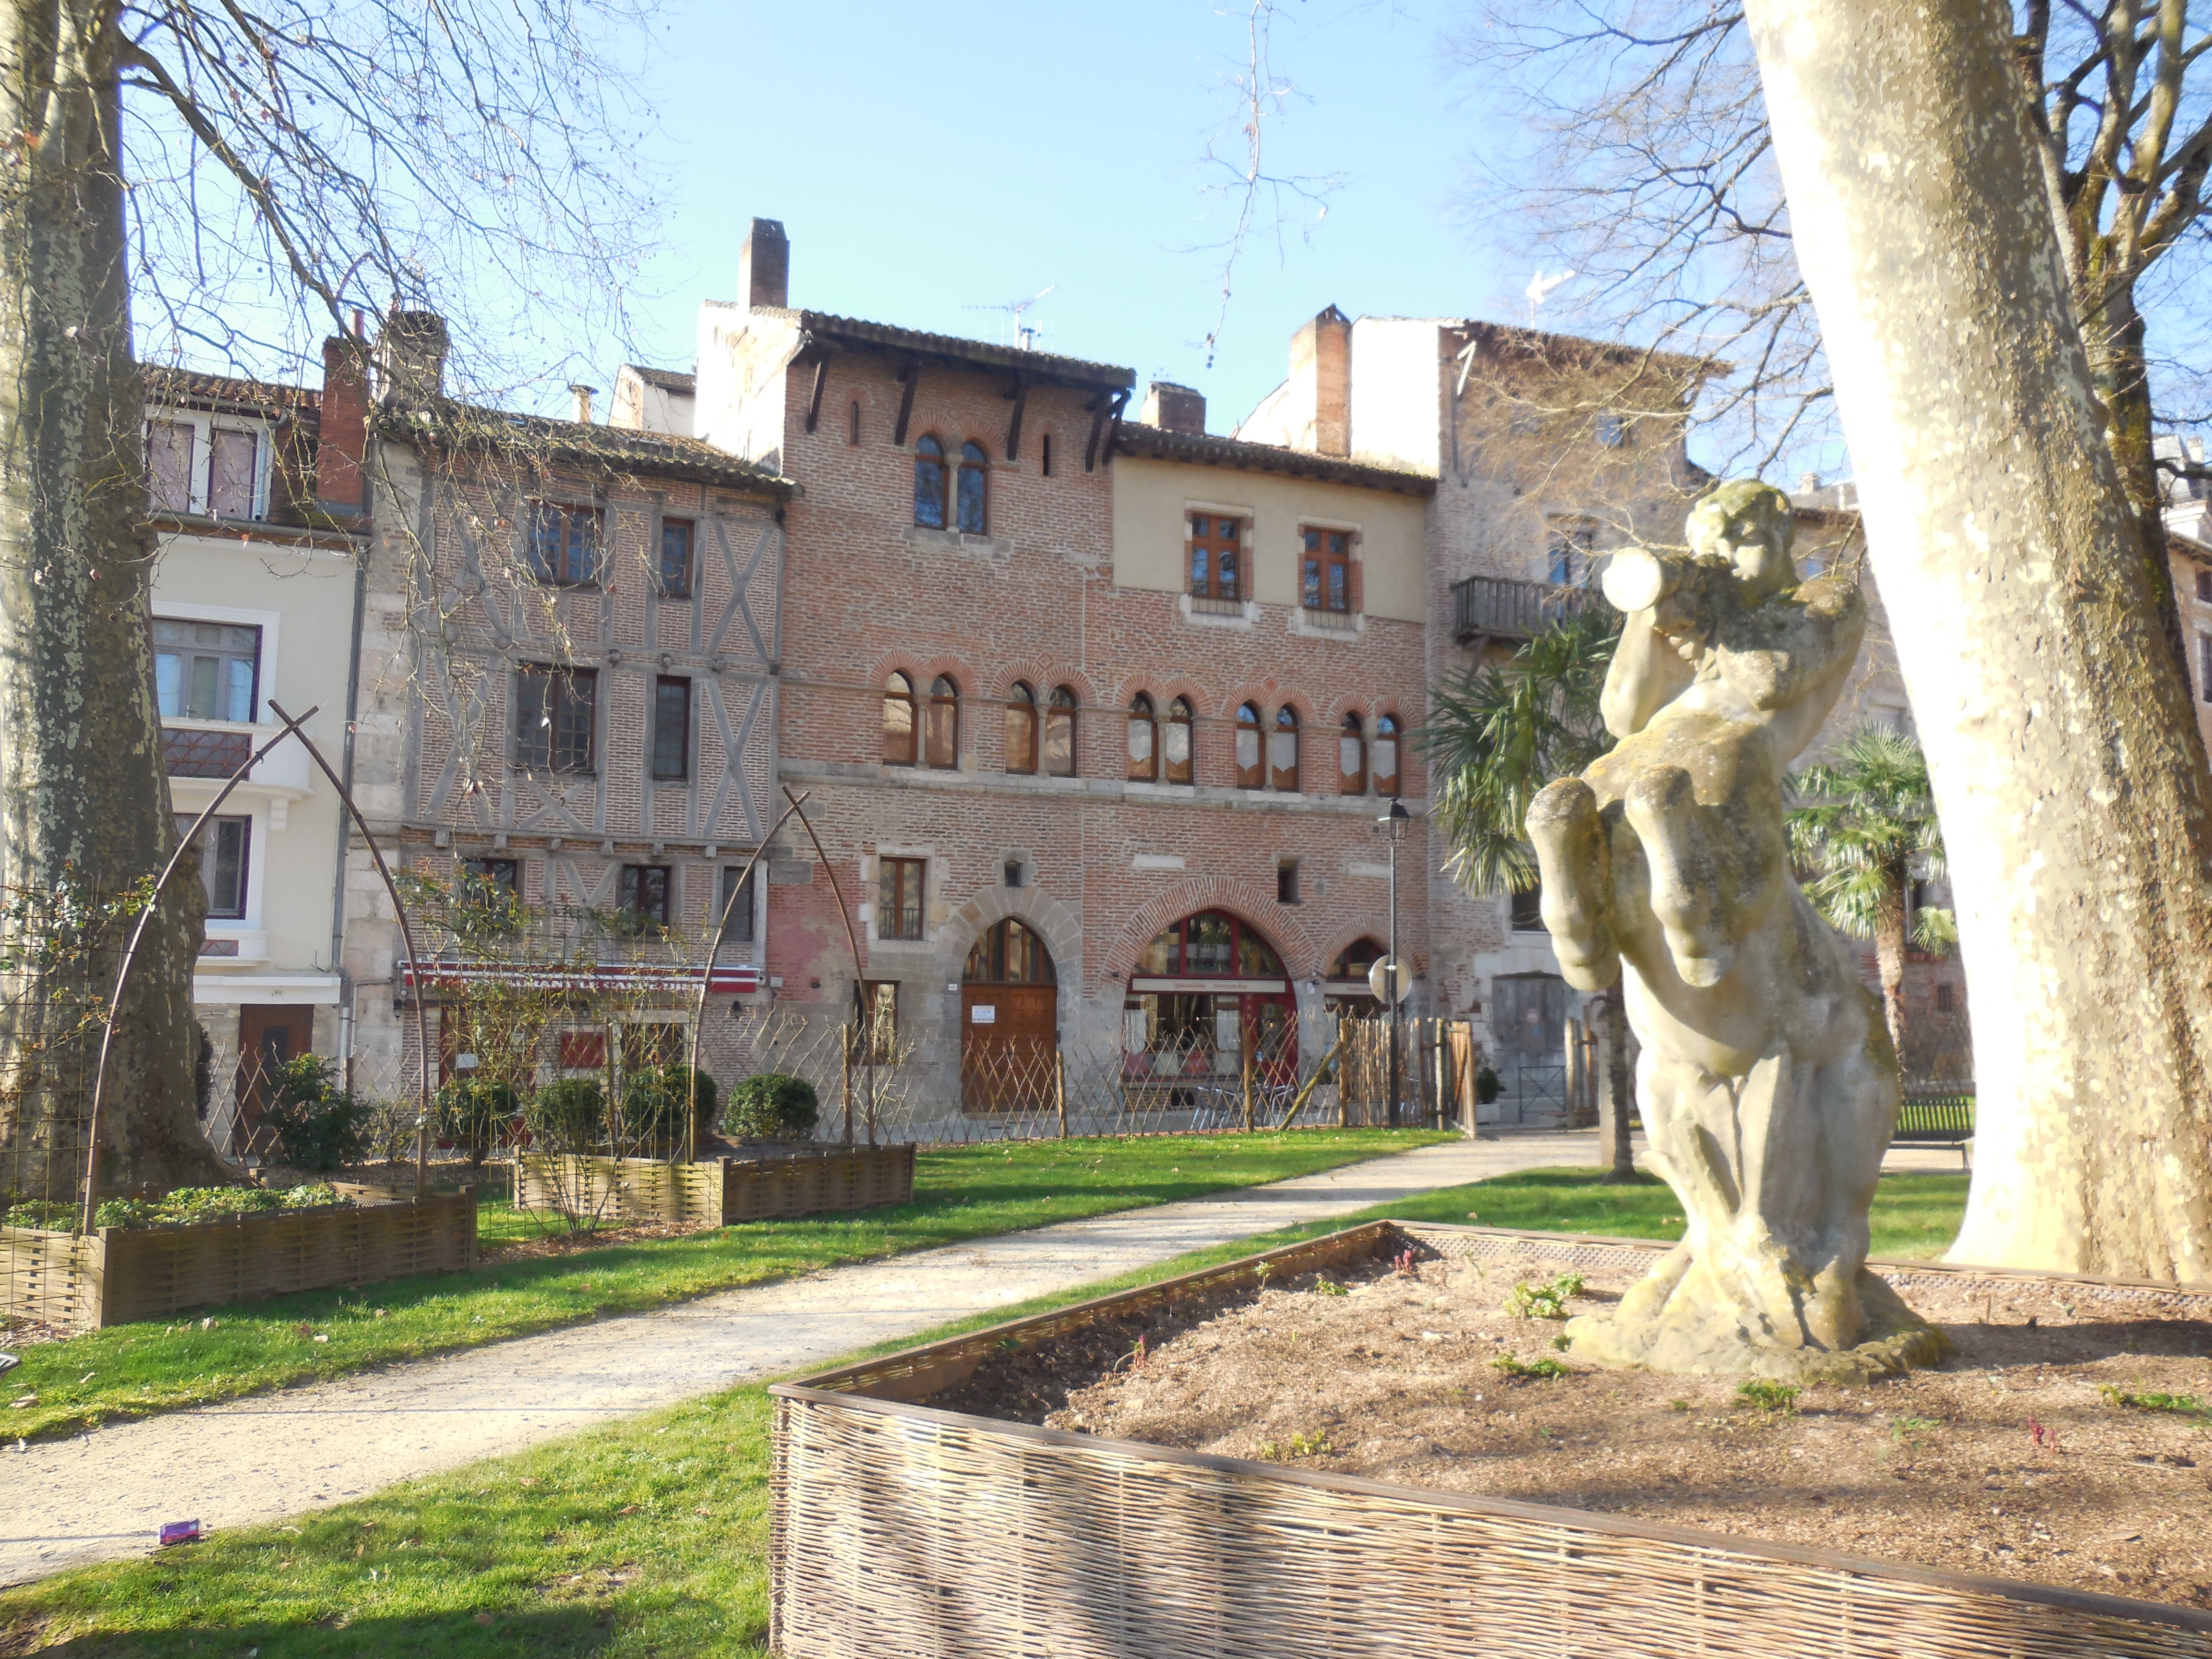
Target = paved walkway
(103,1494)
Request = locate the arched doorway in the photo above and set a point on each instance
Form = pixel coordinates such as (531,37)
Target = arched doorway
(1208,994)
(1009,1022)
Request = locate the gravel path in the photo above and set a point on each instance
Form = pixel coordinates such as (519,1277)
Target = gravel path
(103,1494)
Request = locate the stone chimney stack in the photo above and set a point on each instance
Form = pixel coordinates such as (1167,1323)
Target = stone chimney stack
(1176,408)
(583,394)
(1320,384)
(342,440)
(764,265)
(410,357)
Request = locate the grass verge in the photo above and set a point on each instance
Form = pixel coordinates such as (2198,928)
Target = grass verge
(647,1537)
(960,1193)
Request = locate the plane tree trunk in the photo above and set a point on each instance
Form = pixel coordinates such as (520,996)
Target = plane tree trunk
(2076,803)
(84,802)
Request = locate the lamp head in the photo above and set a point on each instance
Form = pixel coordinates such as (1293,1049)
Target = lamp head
(1395,822)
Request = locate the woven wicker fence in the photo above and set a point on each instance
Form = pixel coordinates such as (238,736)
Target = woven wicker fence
(805,1181)
(899,1530)
(118,1274)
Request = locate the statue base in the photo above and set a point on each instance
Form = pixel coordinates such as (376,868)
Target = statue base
(1674,1321)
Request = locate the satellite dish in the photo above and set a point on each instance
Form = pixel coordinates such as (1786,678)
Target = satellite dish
(1379,978)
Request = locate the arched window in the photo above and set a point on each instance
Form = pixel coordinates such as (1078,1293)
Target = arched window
(1144,741)
(1021,728)
(974,488)
(898,721)
(1351,758)
(941,733)
(1283,749)
(1060,732)
(1386,755)
(929,484)
(1251,770)
(1175,742)
(1009,954)
(1356,958)
(1211,945)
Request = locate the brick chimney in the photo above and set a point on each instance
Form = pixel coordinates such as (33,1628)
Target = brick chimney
(1176,408)
(410,357)
(764,265)
(1321,385)
(342,447)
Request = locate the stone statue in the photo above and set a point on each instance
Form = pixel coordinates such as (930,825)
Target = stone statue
(1768,1086)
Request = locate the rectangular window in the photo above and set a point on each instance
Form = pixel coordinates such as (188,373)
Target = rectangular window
(898,905)
(169,466)
(676,558)
(225,847)
(741,912)
(1569,565)
(491,878)
(1528,911)
(879,1008)
(671,729)
(1946,1001)
(206,671)
(556,718)
(1612,431)
(1216,557)
(564,543)
(643,895)
(583,1051)
(232,473)
(1286,882)
(2204,667)
(1325,581)
(2204,585)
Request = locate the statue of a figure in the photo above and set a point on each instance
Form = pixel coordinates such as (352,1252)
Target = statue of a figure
(1768,1086)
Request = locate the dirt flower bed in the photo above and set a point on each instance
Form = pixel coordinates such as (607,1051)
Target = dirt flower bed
(2068,1441)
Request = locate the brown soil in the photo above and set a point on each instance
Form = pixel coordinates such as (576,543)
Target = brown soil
(2010,1460)
(551,1243)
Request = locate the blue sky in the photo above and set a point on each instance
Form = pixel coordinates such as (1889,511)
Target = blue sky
(929,160)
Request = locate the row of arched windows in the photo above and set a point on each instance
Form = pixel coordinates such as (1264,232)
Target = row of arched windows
(924,730)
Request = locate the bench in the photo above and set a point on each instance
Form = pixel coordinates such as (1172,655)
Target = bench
(1937,1117)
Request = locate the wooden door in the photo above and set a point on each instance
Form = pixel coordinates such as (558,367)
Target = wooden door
(1009,1036)
(269,1034)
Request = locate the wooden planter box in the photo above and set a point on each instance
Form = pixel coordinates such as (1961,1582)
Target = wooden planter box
(714,1193)
(119,1274)
(898,1530)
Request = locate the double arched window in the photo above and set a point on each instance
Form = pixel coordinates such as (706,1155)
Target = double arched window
(1144,741)
(1283,751)
(1351,758)
(973,500)
(898,721)
(1385,759)
(941,729)
(1177,743)
(1060,732)
(1021,728)
(929,483)
(946,497)
(1251,764)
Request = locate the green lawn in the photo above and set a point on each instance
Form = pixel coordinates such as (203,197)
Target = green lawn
(640,1538)
(960,1193)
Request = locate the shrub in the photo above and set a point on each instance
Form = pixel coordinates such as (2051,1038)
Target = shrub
(184,1204)
(568,1115)
(1488,1088)
(1768,1396)
(475,1113)
(774,1104)
(654,1101)
(1542,1369)
(317,1125)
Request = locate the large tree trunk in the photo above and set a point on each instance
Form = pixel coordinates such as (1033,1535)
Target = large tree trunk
(83,799)
(2076,803)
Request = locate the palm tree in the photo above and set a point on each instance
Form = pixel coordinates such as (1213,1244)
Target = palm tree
(1865,826)
(1497,735)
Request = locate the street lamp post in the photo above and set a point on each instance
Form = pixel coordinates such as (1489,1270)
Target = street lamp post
(1393,825)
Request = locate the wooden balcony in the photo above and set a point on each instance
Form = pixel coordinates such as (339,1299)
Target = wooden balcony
(1492,607)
